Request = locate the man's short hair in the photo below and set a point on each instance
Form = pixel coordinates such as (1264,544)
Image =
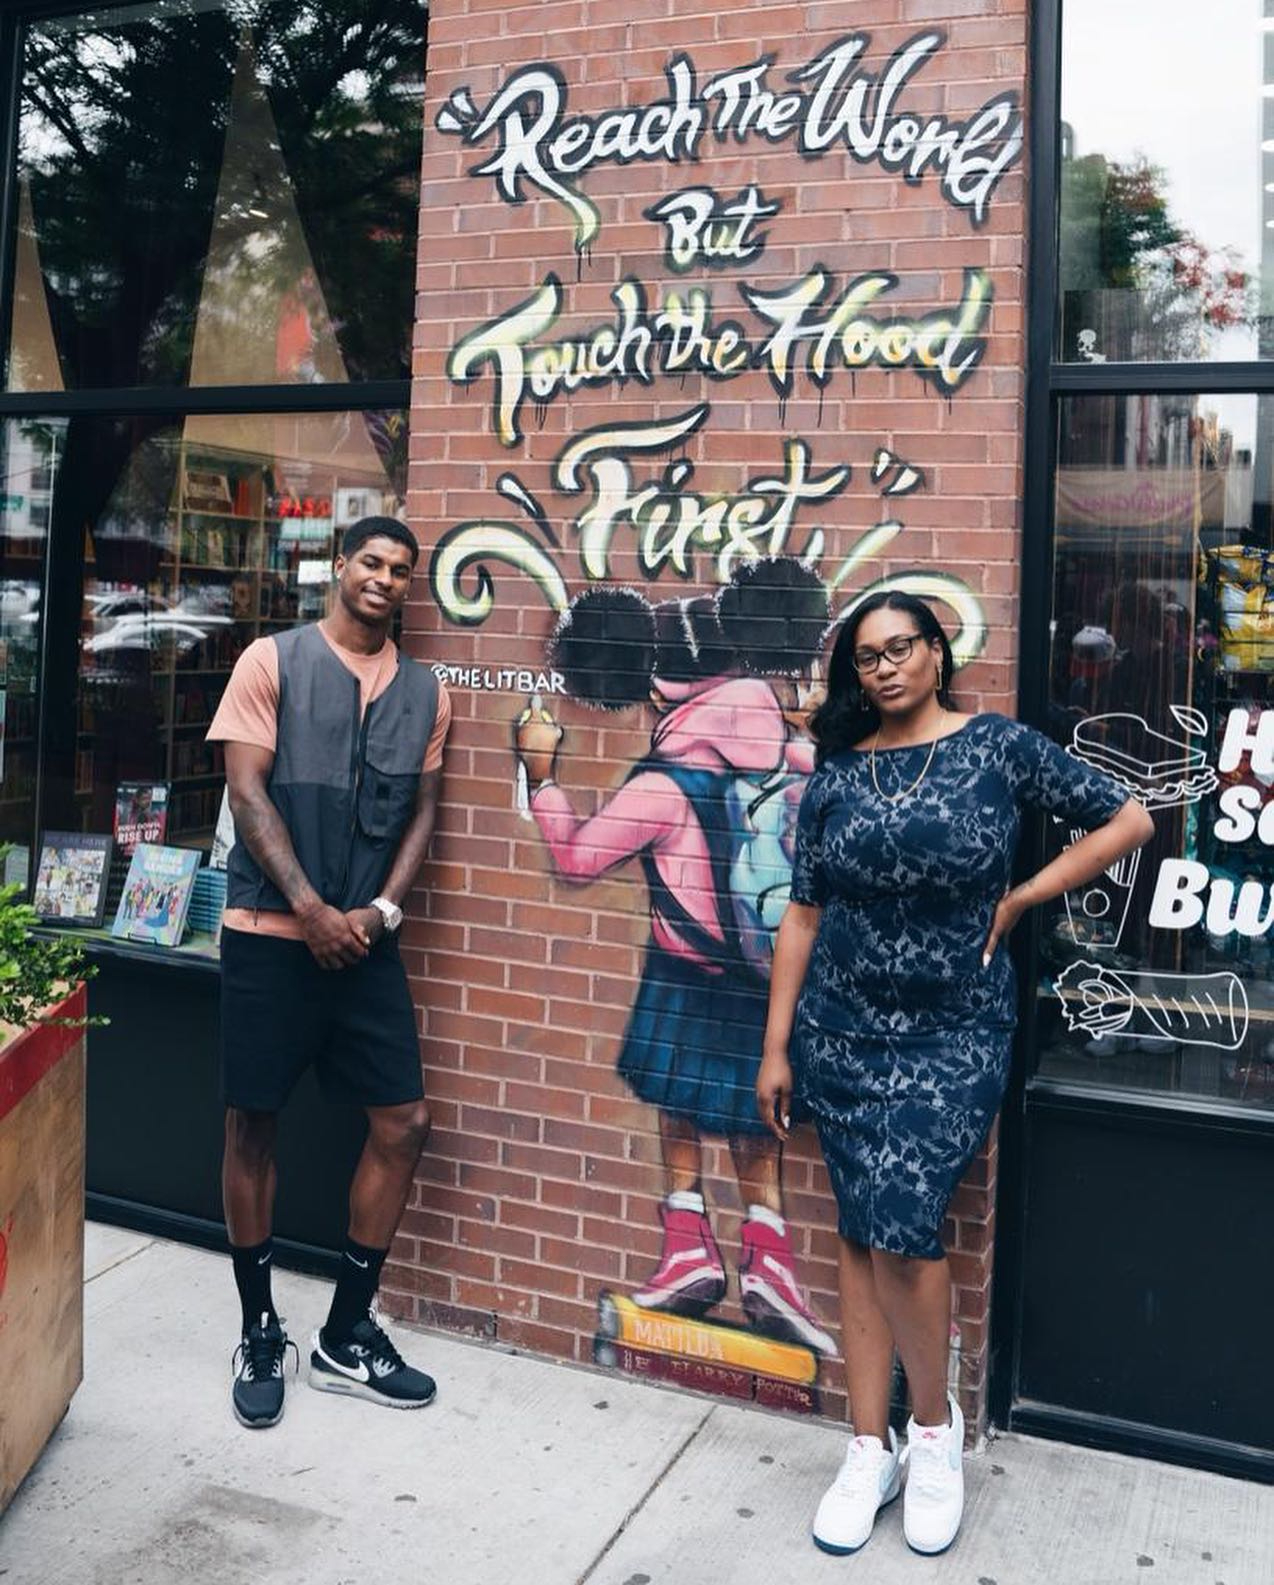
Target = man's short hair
(378,528)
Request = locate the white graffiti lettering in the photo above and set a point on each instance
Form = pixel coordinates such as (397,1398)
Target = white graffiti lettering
(540,144)
(941,346)
(701,228)
(501,679)
(671,521)
(681,336)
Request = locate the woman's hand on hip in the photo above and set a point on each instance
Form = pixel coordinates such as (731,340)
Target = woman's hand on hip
(1008,911)
(774,1093)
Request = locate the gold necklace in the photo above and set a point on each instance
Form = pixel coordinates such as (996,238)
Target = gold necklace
(894,798)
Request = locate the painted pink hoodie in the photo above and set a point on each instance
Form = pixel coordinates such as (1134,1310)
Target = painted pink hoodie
(732,725)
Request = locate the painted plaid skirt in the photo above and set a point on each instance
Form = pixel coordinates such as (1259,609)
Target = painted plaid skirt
(693,1045)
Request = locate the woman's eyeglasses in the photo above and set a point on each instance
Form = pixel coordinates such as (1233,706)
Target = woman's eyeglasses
(895,652)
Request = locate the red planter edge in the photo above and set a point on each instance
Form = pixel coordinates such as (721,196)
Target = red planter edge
(30,1055)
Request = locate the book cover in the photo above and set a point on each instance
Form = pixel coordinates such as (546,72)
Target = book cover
(141,813)
(71,879)
(156,895)
(206,490)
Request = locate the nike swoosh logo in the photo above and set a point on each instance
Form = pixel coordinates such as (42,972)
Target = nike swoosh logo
(357,1372)
(363,1263)
(263,1260)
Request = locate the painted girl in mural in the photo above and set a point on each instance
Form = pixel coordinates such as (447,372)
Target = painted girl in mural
(717,790)
(892,1006)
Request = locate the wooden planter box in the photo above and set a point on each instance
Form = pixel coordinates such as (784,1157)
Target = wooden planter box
(41,1236)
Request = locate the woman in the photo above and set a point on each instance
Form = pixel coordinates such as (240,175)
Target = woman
(892,990)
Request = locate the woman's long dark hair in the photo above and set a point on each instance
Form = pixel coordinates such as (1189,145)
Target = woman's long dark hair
(846,716)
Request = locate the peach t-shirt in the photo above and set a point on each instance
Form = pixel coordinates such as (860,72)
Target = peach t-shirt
(249,713)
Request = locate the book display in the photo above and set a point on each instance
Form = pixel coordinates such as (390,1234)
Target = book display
(141,813)
(157,894)
(71,880)
(208,902)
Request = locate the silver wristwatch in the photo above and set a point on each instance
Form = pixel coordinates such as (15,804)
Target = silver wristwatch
(391,913)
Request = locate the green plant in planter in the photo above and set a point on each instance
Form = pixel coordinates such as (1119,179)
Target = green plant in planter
(34,971)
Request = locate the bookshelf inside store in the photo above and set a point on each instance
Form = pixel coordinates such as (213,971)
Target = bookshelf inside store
(202,549)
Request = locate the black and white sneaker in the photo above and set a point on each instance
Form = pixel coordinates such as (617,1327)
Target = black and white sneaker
(369,1366)
(257,1395)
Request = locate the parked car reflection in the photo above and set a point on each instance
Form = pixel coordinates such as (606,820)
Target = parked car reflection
(106,609)
(151,642)
(19,602)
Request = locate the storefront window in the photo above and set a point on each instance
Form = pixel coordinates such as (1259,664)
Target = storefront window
(1160,975)
(217,194)
(199,535)
(1166,229)
(29,453)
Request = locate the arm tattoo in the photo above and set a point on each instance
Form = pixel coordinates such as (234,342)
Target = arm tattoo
(262,831)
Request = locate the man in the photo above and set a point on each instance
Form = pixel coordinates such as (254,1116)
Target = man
(333,744)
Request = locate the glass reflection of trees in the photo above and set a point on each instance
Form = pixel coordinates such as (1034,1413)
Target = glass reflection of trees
(1160,501)
(123,142)
(1136,284)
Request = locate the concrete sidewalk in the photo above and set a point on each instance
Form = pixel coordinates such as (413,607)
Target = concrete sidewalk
(526,1471)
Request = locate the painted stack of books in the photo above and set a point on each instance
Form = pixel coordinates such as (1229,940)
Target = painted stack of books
(208,903)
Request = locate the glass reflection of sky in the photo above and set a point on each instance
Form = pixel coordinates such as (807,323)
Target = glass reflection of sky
(1180,84)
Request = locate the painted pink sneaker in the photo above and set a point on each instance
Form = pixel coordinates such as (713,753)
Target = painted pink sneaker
(690,1277)
(771,1296)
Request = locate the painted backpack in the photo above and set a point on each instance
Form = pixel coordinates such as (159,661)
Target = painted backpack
(763,838)
(750,826)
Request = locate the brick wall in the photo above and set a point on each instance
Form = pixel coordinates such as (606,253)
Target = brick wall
(541,1190)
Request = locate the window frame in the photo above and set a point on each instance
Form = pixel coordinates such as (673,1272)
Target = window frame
(57,698)
(1048,381)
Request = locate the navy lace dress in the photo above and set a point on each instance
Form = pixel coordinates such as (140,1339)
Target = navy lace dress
(902,1039)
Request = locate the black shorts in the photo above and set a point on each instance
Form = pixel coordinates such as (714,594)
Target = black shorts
(280,1012)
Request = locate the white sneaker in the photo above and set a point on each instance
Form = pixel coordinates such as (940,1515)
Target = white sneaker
(934,1501)
(868,1479)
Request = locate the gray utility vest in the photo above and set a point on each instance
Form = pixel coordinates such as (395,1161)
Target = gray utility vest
(346,787)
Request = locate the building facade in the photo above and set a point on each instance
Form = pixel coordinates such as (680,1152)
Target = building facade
(702,323)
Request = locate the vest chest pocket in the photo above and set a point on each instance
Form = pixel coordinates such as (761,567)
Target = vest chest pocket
(397,736)
(386,801)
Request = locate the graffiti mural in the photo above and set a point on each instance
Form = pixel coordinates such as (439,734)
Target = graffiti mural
(701,612)
(709,811)
(840,106)
(682,336)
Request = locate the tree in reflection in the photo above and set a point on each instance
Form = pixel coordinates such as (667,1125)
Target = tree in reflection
(123,133)
(122,142)
(1145,285)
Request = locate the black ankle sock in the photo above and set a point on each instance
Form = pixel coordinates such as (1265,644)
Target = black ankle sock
(355,1289)
(252,1263)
